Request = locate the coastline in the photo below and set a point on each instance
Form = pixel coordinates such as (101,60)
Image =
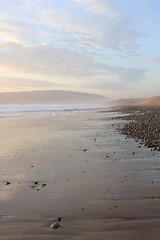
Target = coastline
(101,184)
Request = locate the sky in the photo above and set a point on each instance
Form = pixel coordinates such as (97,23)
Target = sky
(107,47)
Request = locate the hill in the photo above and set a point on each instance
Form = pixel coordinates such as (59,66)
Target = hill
(127,102)
(137,101)
(152,101)
(51,97)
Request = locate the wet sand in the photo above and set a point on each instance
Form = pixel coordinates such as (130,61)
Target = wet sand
(76,166)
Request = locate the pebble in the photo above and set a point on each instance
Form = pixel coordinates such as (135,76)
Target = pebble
(58,219)
(43,185)
(55,225)
(144,125)
(8,183)
(35,182)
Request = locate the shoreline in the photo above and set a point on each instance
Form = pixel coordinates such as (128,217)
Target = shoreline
(13,110)
(77,167)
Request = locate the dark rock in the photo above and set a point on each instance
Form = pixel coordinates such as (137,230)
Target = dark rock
(58,219)
(36,182)
(43,185)
(8,183)
(143,124)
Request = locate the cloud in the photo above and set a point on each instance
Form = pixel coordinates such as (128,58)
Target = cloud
(48,15)
(46,59)
(155,60)
(44,22)
(121,36)
(77,42)
(99,7)
(118,78)
(9,83)
(110,85)
(61,62)
(143,2)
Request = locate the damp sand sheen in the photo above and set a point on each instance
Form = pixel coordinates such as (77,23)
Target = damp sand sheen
(74,166)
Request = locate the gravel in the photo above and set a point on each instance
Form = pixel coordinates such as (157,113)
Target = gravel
(143,124)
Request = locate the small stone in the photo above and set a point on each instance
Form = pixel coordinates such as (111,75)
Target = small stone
(55,225)
(58,219)
(43,185)
(35,182)
(8,183)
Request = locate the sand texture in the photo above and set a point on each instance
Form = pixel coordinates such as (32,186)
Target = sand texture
(76,166)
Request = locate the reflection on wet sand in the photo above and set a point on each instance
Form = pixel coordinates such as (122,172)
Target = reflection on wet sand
(76,167)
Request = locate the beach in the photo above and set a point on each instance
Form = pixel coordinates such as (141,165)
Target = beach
(77,166)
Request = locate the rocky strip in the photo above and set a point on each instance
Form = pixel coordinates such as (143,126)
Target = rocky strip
(143,125)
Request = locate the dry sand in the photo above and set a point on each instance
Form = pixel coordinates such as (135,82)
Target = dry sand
(102,185)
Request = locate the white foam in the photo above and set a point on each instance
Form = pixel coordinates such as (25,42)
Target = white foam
(18,110)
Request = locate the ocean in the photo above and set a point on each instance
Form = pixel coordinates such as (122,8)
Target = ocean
(18,110)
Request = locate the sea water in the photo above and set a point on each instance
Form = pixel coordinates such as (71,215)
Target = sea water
(18,110)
